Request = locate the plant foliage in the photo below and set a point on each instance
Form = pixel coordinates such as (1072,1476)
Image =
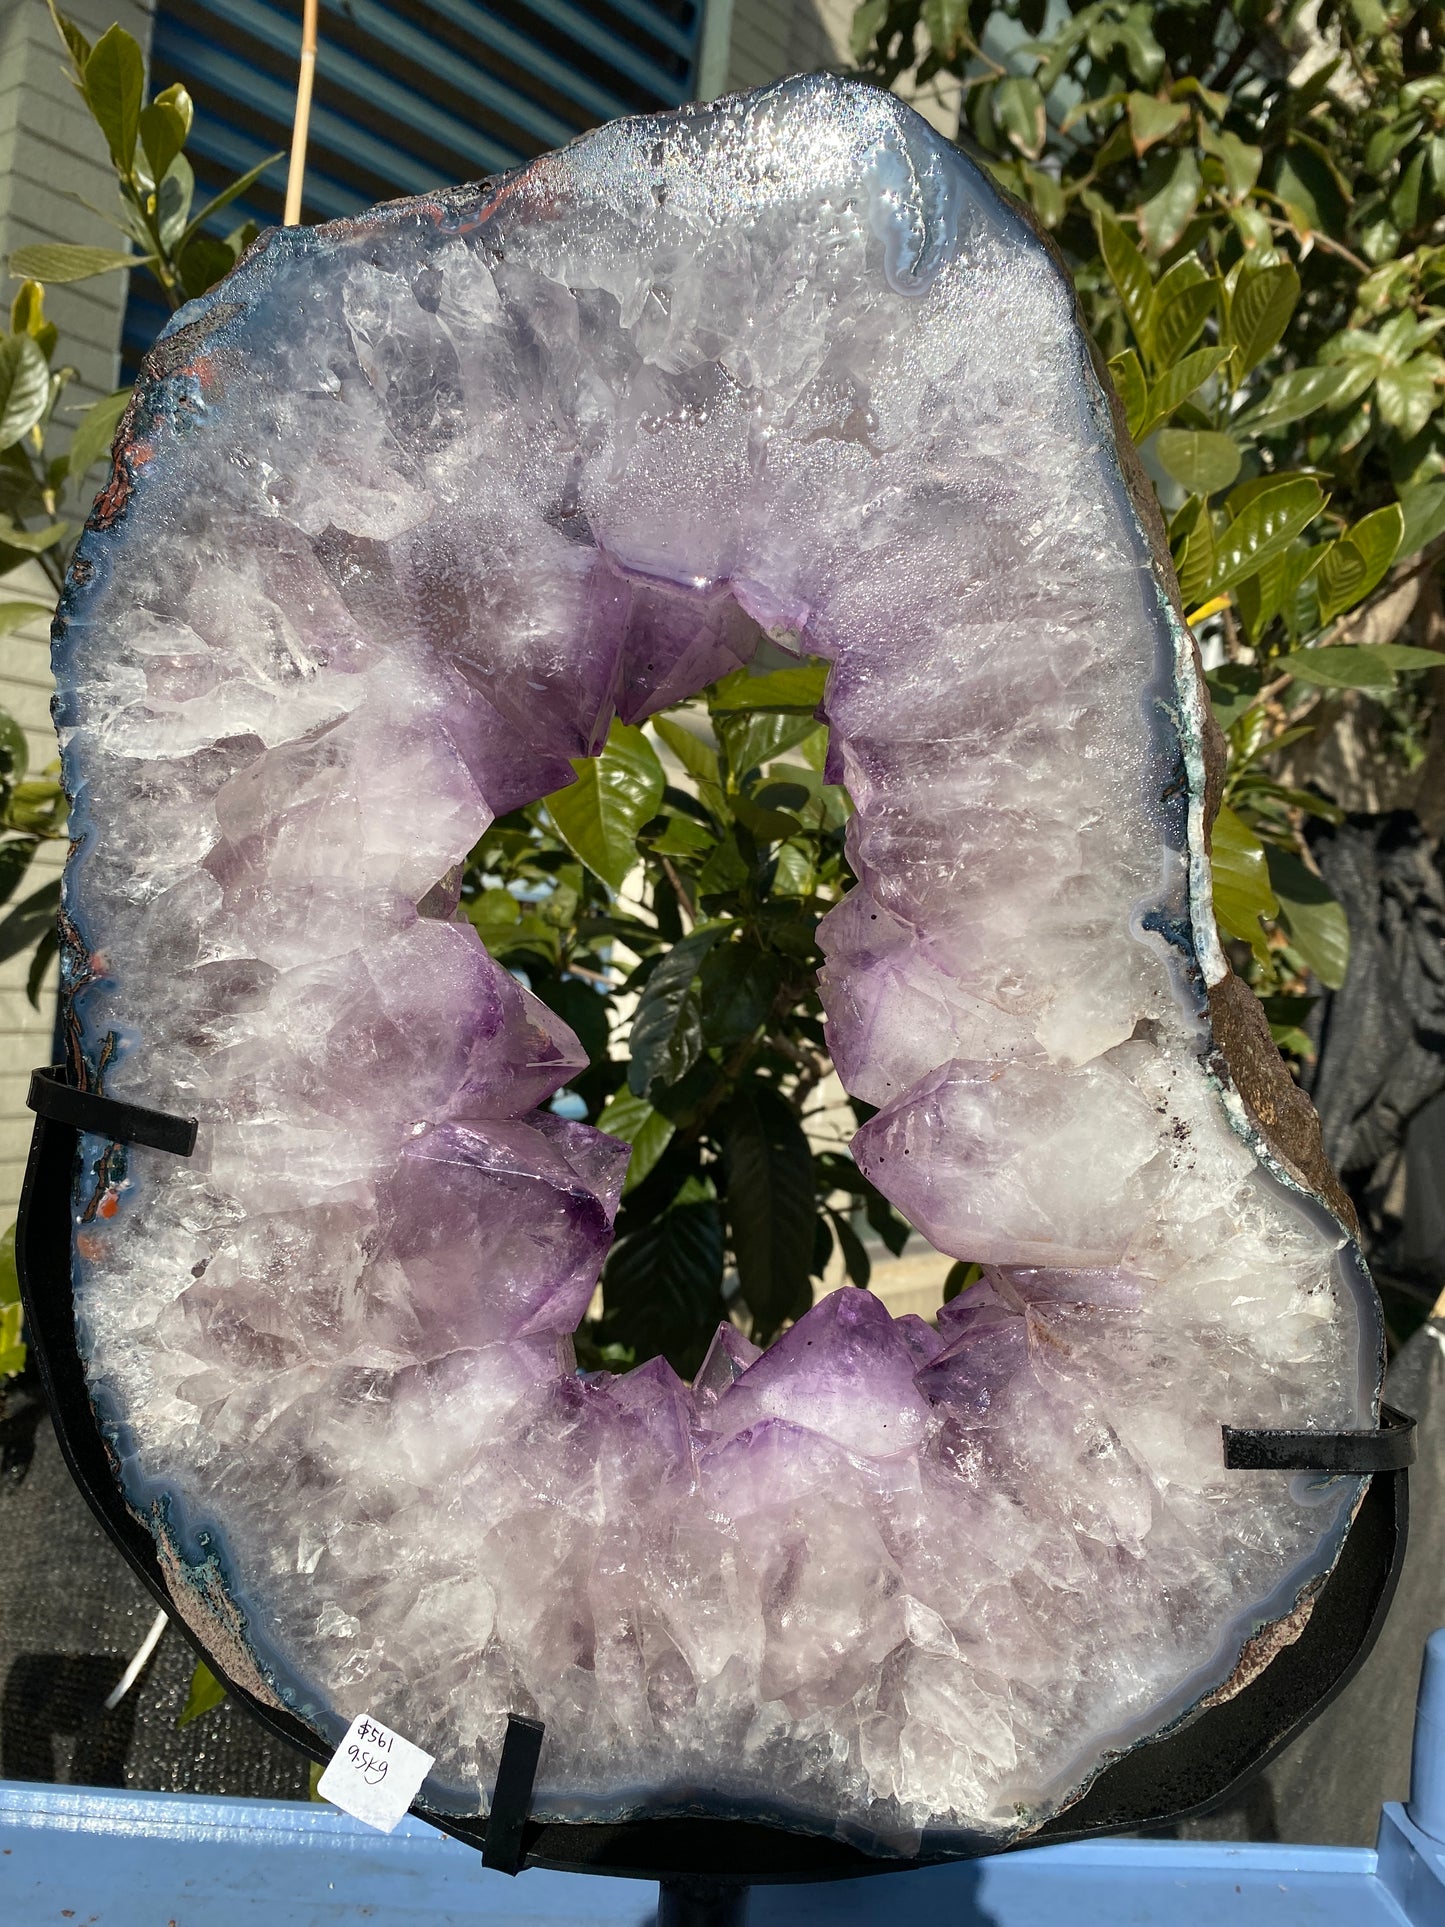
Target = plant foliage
(1253,208)
(669,898)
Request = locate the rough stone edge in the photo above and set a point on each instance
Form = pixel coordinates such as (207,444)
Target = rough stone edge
(1244,1054)
(200,1598)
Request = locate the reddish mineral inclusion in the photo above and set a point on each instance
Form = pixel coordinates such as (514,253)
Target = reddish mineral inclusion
(406,509)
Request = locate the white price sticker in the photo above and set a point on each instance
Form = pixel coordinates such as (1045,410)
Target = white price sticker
(374,1775)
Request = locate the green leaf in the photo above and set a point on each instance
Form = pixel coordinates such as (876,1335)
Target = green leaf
(961,1277)
(1311,195)
(206,1692)
(46,951)
(796,687)
(582,1006)
(29,920)
(891,1229)
(946,24)
(868,19)
(856,1261)
(725,870)
(1276,588)
(32,541)
(1312,917)
(164,126)
(1364,665)
(771,1204)
(15,858)
(1240,161)
(767,826)
(114,79)
(739,984)
(1197,562)
(57,261)
(1153,120)
(1130,275)
(666,1037)
(14,615)
(12,1345)
(682,837)
(492,913)
(753,738)
(36,805)
(1046,195)
(1179,315)
(1405,201)
(27,317)
(173,201)
(227,195)
(1242,892)
(637,1123)
(77,46)
(1199,459)
(1178,383)
(24,387)
(1166,214)
(1259,312)
(696,757)
(1304,391)
(1389,141)
(1424,508)
(1265,527)
(14,750)
(1233,688)
(95,432)
(1357,562)
(1145,55)
(662,1289)
(598,817)
(1292,1040)
(1133,390)
(1018,111)
(202,262)
(9,1277)
(1406,395)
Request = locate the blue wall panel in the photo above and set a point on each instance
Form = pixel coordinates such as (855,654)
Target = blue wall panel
(408,97)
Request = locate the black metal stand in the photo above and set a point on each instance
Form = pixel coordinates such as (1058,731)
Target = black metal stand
(701,1903)
(705,1866)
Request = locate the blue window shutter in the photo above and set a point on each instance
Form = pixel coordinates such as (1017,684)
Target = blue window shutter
(407,97)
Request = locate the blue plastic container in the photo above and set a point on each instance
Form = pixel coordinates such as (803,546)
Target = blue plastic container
(114,1859)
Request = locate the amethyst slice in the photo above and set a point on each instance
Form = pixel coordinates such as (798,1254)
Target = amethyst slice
(402,514)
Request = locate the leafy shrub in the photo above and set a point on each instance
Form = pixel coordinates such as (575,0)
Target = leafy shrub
(1260,258)
(706,962)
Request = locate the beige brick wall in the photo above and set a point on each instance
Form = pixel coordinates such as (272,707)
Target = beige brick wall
(49,150)
(25,1033)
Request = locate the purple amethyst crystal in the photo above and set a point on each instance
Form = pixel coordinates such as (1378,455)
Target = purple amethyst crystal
(404,512)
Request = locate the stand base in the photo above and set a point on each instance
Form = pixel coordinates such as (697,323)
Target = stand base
(693,1902)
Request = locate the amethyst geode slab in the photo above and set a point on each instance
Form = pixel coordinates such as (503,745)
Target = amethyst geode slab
(402,513)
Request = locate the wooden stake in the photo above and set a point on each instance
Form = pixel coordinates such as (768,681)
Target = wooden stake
(296,174)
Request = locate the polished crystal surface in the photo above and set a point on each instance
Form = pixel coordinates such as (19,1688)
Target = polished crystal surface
(407,508)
